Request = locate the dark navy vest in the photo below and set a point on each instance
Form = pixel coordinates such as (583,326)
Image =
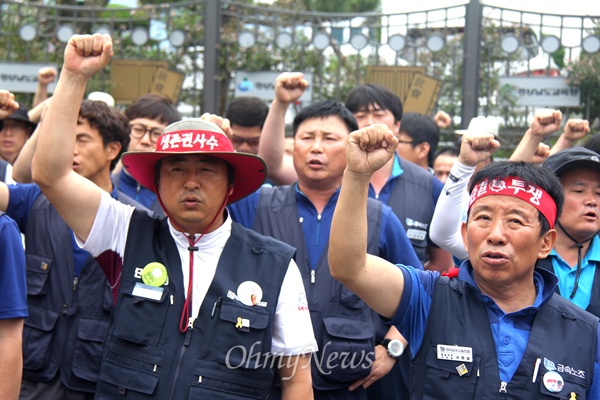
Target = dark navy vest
(561,333)
(342,322)
(69,316)
(3,165)
(594,306)
(146,356)
(412,202)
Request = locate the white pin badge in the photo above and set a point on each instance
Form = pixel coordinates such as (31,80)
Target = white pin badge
(553,381)
(249,293)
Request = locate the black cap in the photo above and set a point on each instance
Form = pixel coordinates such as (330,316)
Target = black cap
(19,115)
(575,157)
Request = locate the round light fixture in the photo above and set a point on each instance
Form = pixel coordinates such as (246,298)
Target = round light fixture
(103,30)
(28,32)
(177,38)
(435,43)
(321,40)
(284,40)
(359,41)
(550,44)
(139,36)
(509,43)
(591,44)
(246,39)
(397,42)
(64,32)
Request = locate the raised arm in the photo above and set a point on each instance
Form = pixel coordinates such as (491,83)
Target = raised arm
(8,105)
(368,150)
(289,86)
(46,76)
(447,217)
(574,130)
(74,197)
(544,123)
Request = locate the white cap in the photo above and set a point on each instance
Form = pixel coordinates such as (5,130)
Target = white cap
(102,96)
(481,125)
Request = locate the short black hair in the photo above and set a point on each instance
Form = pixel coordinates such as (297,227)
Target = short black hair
(530,174)
(112,125)
(155,107)
(363,96)
(247,111)
(593,143)
(447,151)
(323,109)
(421,128)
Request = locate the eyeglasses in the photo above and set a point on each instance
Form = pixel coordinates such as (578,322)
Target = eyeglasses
(238,141)
(138,131)
(405,141)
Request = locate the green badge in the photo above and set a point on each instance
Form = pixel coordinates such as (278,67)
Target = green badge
(154,274)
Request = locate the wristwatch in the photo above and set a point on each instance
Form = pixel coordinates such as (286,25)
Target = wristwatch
(394,347)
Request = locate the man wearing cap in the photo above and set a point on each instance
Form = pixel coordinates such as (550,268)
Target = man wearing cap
(576,253)
(495,329)
(206,308)
(15,129)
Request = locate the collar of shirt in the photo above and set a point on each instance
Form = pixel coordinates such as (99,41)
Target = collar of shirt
(396,168)
(114,193)
(593,253)
(544,280)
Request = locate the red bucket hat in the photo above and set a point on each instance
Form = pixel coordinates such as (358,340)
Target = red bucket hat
(196,136)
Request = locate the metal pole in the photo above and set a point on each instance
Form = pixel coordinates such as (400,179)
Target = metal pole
(212,21)
(471,62)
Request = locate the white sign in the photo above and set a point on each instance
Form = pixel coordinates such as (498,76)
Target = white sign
(22,77)
(262,85)
(541,91)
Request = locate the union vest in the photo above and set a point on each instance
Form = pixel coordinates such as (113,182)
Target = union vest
(69,316)
(344,325)
(562,333)
(3,165)
(412,202)
(146,356)
(594,306)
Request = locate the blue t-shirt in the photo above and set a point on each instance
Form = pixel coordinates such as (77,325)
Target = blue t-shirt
(566,274)
(386,191)
(22,197)
(13,286)
(130,187)
(394,245)
(510,331)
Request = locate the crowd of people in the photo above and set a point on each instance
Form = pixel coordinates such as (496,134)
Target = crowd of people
(146,255)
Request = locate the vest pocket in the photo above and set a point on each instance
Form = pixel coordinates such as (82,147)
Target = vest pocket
(38,332)
(139,319)
(126,372)
(443,374)
(347,352)
(216,383)
(38,268)
(238,345)
(88,349)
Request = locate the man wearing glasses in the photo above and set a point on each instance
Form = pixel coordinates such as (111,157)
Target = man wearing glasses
(148,116)
(246,115)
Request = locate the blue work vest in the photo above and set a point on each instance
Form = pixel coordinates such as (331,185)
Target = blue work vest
(147,357)
(69,315)
(344,325)
(412,202)
(562,333)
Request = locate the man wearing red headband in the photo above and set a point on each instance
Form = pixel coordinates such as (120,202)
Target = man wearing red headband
(206,308)
(495,328)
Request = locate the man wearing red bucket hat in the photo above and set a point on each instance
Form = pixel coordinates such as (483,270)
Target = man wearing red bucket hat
(206,308)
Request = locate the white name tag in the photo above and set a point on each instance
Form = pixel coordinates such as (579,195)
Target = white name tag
(147,291)
(454,353)
(416,234)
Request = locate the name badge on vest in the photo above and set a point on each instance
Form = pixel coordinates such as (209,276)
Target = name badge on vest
(147,292)
(416,234)
(454,353)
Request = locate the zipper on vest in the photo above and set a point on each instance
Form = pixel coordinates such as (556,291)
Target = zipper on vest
(75,282)
(502,387)
(186,343)
(137,192)
(313,276)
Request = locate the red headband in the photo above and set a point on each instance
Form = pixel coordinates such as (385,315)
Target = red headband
(515,187)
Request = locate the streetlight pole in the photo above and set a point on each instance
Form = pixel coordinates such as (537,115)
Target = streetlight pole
(212,21)
(471,63)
